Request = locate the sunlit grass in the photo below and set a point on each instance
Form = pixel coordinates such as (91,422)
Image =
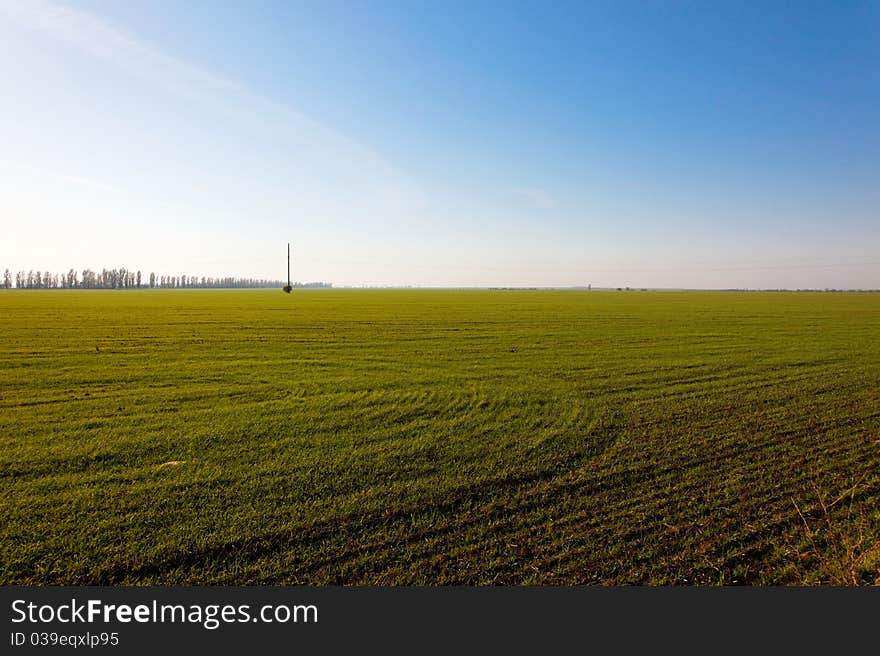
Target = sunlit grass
(397,437)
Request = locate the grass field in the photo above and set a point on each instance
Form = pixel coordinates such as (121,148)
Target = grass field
(439,437)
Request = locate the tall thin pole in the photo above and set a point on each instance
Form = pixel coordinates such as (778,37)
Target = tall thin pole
(287,289)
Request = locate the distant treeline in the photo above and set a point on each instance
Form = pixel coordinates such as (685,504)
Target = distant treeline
(127,279)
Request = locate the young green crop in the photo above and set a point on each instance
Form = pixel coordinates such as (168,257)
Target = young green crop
(435,437)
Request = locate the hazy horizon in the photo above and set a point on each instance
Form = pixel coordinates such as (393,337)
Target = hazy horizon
(454,145)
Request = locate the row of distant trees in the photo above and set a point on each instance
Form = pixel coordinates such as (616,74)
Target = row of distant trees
(127,279)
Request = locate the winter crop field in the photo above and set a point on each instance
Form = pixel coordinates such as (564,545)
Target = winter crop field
(439,437)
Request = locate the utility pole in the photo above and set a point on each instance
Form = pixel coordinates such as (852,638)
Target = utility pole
(289,287)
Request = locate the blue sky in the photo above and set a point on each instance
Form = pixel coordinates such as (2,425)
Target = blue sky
(643,144)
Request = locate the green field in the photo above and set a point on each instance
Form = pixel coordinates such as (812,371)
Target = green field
(439,437)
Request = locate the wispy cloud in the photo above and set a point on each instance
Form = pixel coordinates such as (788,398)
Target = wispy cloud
(86,182)
(538,197)
(353,162)
(98,38)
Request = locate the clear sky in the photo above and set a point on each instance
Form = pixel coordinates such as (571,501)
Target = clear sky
(655,144)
